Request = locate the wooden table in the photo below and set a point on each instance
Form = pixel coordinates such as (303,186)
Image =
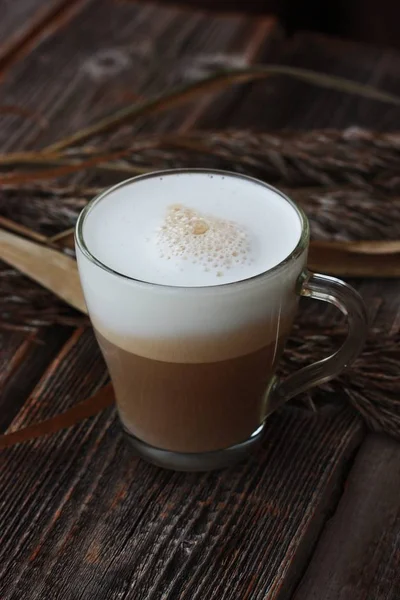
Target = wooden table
(315,513)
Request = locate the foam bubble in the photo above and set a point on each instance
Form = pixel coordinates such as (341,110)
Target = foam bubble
(188,234)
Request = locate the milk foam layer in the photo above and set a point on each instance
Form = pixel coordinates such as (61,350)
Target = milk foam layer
(192,229)
(142,318)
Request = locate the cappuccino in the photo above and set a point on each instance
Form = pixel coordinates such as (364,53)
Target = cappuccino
(191,316)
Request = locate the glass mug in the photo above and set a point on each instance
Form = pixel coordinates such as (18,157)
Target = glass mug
(193,388)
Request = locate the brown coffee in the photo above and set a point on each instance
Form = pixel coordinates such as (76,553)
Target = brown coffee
(191,406)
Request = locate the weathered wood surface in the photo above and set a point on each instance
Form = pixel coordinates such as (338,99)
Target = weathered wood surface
(15,16)
(358,555)
(96,522)
(282,102)
(24,24)
(113,53)
(83,518)
(23,358)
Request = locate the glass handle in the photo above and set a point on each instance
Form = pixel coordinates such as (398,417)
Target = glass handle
(349,302)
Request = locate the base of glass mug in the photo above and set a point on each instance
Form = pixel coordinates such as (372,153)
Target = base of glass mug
(195,461)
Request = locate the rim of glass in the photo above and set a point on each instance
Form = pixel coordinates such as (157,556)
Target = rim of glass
(296,252)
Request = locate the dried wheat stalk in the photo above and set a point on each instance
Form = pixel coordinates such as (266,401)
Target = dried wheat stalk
(314,158)
(322,158)
(348,182)
(372,384)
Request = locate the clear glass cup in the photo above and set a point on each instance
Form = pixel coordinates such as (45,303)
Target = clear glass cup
(198,403)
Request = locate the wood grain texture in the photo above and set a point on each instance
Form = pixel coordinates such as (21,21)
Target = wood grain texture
(16,18)
(83,518)
(96,522)
(23,358)
(114,53)
(358,555)
(24,24)
(12,344)
(282,102)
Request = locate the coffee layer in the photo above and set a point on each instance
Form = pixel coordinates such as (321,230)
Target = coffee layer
(191,407)
(203,348)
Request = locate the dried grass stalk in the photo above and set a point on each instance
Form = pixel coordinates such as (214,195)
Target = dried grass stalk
(313,158)
(347,181)
(216,82)
(372,384)
(294,159)
(25,303)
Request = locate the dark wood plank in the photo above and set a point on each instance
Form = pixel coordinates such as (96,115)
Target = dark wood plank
(260,36)
(25,23)
(16,17)
(114,53)
(12,344)
(358,555)
(85,519)
(24,357)
(282,102)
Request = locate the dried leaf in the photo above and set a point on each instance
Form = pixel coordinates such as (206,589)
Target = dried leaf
(59,171)
(52,269)
(334,258)
(370,247)
(22,230)
(64,239)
